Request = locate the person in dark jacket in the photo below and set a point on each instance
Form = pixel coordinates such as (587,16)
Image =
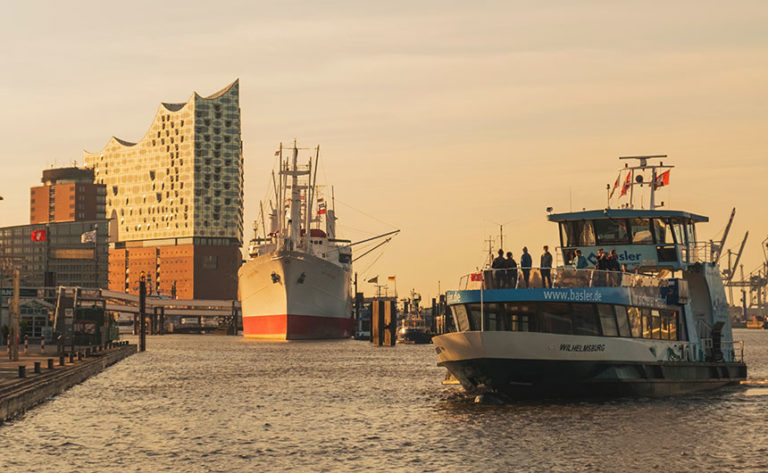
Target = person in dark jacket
(546,267)
(525,264)
(511,271)
(498,266)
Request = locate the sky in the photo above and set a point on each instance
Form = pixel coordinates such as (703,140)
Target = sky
(442,119)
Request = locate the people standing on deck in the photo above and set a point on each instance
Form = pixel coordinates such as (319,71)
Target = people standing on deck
(497,266)
(613,261)
(511,269)
(602,260)
(546,267)
(579,261)
(525,264)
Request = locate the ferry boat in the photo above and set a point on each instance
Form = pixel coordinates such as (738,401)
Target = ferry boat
(659,327)
(297,283)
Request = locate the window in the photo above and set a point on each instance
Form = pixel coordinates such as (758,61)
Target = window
(641,230)
(611,232)
(579,233)
(646,317)
(585,321)
(210,262)
(554,317)
(607,320)
(460,317)
(662,231)
(622,321)
(635,321)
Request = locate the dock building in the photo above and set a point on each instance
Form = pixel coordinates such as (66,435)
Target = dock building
(175,200)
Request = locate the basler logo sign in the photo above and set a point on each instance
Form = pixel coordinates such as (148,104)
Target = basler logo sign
(629,255)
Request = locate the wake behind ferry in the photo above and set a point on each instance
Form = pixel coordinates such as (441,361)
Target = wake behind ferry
(659,327)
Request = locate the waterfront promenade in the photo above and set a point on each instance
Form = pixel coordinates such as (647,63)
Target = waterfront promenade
(45,374)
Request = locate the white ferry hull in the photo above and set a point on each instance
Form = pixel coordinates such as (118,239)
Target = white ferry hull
(293,296)
(524,364)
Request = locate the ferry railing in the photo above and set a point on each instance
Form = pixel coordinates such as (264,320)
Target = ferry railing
(525,278)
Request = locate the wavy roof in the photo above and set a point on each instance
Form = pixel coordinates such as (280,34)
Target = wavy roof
(171,107)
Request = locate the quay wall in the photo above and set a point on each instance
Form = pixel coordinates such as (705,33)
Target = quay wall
(26,393)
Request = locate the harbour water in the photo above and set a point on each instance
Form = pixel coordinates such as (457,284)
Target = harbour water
(215,403)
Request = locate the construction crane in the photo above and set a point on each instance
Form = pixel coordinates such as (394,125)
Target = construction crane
(730,271)
(754,287)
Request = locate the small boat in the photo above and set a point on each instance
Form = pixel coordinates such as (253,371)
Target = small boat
(413,328)
(660,326)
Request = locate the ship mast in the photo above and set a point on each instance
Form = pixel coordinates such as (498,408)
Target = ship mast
(641,168)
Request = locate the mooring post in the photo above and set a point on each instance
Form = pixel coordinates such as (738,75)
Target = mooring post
(142,313)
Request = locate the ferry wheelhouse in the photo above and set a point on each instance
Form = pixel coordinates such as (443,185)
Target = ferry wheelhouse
(659,327)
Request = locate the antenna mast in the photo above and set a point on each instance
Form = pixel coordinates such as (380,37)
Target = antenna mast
(641,168)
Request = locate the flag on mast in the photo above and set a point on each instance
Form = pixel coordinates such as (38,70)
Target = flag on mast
(391,278)
(615,185)
(662,180)
(625,187)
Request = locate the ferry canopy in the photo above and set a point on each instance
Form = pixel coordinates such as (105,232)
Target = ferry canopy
(624,213)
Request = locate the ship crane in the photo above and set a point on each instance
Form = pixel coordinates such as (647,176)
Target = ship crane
(717,246)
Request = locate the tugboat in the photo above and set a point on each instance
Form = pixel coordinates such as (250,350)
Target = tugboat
(658,327)
(413,327)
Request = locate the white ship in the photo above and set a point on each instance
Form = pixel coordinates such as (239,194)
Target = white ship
(297,284)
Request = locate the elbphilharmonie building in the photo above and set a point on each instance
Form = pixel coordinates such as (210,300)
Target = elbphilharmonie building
(175,199)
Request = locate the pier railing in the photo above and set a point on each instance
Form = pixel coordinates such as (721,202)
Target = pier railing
(526,278)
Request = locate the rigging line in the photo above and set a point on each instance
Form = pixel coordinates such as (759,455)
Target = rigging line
(366,214)
(373,262)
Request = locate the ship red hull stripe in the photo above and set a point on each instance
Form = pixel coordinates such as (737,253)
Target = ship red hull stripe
(295,327)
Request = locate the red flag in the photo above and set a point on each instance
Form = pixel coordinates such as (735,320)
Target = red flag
(662,180)
(625,187)
(615,185)
(321,208)
(277,153)
(476,277)
(38,235)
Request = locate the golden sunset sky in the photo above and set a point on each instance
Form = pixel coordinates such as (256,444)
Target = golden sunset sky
(440,118)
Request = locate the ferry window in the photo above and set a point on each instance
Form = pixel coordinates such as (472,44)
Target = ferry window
(641,230)
(607,321)
(679,232)
(474,316)
(622,321)
(611,232)
(635,322)
(585,321)
(579,233)
(518,317)
(664,326)
(554,317)
(460,317)
(673,332)
(646,316)
(655,324)
(492,318)
(690,233)
(663,231)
